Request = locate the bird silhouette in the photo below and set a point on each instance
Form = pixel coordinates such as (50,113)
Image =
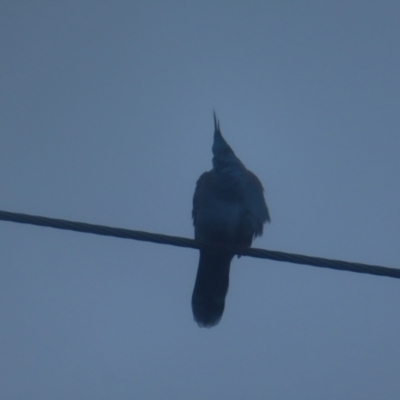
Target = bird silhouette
(229,209)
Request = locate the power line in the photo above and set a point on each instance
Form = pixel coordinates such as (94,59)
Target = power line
(184,242)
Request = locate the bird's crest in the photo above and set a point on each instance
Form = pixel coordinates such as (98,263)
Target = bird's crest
(223,153)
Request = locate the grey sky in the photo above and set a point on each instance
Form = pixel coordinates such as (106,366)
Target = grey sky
(106,117)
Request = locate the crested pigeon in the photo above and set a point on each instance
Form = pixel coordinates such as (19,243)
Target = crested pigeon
(229,209)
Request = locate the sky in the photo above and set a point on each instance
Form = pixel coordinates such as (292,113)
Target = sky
(106,118)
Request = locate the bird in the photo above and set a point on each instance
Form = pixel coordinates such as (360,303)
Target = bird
(229,210)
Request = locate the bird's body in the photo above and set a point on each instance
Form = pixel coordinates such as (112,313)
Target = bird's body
(228,210)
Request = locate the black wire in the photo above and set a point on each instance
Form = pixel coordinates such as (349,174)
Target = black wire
(184,242)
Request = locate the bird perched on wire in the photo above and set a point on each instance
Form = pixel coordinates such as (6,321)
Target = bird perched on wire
(229,209)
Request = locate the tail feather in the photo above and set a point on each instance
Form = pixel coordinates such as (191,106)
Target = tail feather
(211,287)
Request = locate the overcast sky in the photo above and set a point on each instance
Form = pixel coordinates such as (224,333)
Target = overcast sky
(106,118)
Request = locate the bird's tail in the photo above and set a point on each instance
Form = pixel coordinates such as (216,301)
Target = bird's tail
(211,287)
